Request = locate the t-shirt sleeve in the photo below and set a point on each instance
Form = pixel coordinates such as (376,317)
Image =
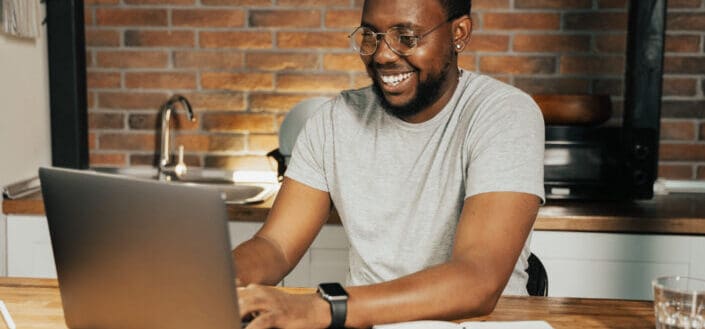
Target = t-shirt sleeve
(307,158)
(506,147)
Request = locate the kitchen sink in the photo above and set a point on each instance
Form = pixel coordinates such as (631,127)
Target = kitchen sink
(234,191)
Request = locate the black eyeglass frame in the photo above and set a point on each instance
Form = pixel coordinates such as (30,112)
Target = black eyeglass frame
(382,35)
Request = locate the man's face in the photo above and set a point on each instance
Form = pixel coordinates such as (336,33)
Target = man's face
(416,82)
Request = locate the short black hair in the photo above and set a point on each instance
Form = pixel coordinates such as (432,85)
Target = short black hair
(456,8)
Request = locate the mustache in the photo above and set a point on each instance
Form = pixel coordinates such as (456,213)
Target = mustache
(390,67)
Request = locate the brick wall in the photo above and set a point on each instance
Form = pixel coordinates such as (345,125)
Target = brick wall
(244,63)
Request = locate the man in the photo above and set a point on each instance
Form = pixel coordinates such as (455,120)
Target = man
(436,173)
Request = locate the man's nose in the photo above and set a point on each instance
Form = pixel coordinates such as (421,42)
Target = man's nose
(384,53)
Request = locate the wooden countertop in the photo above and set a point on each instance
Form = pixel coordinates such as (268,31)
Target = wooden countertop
(36,303)
(664,214)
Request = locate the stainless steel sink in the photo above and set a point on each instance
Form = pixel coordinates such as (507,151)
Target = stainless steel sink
(222,180)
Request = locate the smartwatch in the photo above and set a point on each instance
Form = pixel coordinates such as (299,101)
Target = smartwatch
(337,297)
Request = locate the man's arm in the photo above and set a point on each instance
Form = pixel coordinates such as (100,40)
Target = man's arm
(296,217)
(491,233)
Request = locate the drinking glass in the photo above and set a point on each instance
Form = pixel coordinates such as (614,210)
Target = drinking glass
(679,302)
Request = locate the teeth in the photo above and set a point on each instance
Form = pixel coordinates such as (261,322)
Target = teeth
(395,79)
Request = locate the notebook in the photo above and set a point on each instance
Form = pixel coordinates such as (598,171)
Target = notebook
(133,253)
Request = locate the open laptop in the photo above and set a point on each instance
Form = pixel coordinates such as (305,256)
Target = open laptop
(141,254)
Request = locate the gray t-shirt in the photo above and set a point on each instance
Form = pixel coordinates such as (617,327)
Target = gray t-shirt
(399,187)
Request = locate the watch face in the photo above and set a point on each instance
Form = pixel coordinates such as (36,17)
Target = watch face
(333,289)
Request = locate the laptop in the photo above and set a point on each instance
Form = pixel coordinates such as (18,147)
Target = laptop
(134,253)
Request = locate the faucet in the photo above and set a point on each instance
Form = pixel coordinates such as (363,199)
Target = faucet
(166,111)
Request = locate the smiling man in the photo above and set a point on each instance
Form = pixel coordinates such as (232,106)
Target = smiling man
(436,173)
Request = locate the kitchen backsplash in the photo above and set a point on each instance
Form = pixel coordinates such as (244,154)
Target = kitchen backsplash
(244,63)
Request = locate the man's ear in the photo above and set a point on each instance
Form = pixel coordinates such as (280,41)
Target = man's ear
(462,31)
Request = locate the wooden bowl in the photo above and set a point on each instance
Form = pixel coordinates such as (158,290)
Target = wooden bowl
(574,109)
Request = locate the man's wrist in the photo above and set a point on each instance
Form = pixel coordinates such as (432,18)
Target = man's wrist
(321,312)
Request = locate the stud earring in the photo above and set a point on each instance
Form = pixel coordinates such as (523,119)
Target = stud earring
(457,46)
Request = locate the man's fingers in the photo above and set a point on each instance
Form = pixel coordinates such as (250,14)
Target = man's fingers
(265,321)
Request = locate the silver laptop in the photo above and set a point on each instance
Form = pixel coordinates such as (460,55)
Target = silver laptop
(139,254)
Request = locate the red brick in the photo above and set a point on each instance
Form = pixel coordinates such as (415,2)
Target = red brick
(131,100)
(343,62)
(137,38)
(551,43)
(92,141)
(192,142)
(686,21)
(678,130)
(343,18)
(683,108)
(237,81)
(592,65)
(208,60)
(208,18)
(102,120)
(226,142)
(488,42)
(702,131)
(244,40)
(276,102)
(91,3)
(684,3)
(102,38)
(255,3)
(611,43)
(90,100)
(538,85)
(489,4)
(107,159)
(521,21)
(684,65)
(263,143)
(612,3)
(321,3)
(127,141)
(467,61)
(595,21)
(254,123)
(103,80)
(281,61)
(88,18)
(682,152)
(130,17)
(361,80)
(285,18)
(679,87)
(132,59)
(227,101)
(517,64)
(313,82)
(159,2)
(243,162)
(157,80)
(682,43)
(675,171)
(313,40)
(557,4)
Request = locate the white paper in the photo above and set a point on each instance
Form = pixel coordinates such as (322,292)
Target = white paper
(429,324)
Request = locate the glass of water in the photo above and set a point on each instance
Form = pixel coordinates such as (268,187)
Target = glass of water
(679,302)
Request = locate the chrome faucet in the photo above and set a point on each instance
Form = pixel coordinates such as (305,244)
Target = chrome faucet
(166,111)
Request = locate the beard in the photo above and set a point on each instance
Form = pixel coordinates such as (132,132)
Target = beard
(427,92)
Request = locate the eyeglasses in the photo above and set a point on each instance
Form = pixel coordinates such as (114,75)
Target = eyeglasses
(401,40)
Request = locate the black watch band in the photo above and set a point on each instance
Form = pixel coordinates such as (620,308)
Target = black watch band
(337,297)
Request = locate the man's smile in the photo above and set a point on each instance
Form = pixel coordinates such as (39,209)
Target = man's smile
(395,79)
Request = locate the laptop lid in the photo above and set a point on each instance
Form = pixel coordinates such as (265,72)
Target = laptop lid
(141,254)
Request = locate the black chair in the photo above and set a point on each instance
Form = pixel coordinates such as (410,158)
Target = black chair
(538,278)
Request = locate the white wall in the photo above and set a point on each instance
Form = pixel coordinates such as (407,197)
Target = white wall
(25,139)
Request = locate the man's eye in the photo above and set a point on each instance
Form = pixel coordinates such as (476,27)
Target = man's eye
(408,40)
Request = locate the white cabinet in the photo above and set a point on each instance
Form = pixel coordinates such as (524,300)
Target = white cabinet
(611,265)
(29,251)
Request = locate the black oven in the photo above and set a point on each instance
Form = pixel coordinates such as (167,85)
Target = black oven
(616,162)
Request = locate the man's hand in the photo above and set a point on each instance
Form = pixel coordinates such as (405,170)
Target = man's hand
(273,308)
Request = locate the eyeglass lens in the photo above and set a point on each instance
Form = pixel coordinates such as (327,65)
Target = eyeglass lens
(402,41)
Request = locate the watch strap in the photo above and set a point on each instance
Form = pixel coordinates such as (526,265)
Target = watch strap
(338,312)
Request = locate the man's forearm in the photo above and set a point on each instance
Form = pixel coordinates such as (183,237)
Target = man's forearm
(448,291)
(258,260)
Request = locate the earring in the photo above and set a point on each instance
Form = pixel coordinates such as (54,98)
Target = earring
(457,46)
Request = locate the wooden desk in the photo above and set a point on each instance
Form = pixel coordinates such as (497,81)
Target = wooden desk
(35,303)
